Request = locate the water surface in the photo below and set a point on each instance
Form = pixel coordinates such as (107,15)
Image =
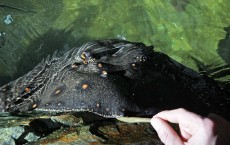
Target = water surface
(195,33)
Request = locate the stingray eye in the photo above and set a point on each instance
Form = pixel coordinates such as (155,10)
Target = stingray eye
(84,57)
(87,58)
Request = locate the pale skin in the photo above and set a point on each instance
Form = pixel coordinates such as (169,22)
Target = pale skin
(194,129)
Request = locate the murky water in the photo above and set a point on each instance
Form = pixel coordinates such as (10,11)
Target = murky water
(195,33)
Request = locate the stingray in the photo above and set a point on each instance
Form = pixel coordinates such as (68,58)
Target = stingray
(111,78)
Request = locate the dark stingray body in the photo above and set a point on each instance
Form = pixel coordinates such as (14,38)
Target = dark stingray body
(111,78)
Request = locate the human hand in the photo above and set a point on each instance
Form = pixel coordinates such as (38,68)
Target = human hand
(194,129)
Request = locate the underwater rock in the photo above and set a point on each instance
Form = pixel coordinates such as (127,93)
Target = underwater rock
(7,135)
(43,130)
(68,120)
(123,133)
(13,135)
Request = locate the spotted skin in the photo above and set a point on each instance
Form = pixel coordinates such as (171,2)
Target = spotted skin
(108,78)
(78,81)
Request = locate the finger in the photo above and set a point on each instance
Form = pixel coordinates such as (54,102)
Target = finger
(178,116)
(165,132)
(185,136)
(188,120)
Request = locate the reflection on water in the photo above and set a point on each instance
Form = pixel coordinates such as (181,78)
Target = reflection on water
(195,33)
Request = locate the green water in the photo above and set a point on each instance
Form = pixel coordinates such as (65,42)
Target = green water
(193,32)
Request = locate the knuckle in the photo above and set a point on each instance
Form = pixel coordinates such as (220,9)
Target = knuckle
(208,127)
(182,110)
(208,123)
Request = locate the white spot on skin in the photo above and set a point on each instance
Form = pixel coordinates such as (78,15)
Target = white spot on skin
(57,92)
(73,66)
(134,66)
(34,106)
(99,65)
(104,73)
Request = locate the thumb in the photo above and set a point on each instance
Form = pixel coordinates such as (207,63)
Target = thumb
(165,132)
